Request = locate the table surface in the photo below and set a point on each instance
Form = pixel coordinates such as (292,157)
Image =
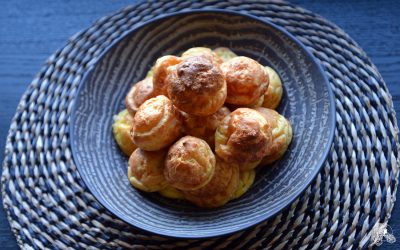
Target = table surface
(31,31)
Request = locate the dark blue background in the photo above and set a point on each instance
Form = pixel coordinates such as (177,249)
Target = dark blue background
(30,31)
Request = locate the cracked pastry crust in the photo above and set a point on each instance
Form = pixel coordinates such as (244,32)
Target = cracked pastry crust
(243,138)
(203,127)
(190,164)
(246,180)
(197,86)
(145,170)
(138,94)
(281,135)
(224,53)
(121,130)
(246,80)
(219,190)
(273,95)
(160,73)
(205,52)
(155,124)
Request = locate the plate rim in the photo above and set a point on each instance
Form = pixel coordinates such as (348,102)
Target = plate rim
(174,234)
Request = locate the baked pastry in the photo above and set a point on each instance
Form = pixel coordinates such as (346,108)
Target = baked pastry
(246,180)
(246,80)
(121,130)
(190,164)
(273,95)
(139,93)
(145,170)
(224,53)
(197,86)
(160,73)
(281,135)
(172,193)
(202,51)
(155,124)
(243,138)
(203,127)
(256,104)
(219,190)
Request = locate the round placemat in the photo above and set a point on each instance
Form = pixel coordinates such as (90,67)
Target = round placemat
(48,206)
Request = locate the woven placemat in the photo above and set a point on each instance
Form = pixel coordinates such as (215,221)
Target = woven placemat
(48,206)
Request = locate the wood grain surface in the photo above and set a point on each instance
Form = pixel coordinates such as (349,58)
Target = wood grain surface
(31,31)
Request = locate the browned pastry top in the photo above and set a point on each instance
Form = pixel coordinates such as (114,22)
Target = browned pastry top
(155,124)
(190,164)
(160,71)
(146,170)
(246,80)
(197,86)
(205,52)
(139,93)
(243,136)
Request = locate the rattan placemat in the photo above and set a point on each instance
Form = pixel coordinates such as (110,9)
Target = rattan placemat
(48,206)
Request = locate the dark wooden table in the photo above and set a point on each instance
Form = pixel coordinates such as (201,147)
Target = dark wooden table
(30,31)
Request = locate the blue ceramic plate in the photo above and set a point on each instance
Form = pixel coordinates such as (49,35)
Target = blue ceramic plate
(307,102)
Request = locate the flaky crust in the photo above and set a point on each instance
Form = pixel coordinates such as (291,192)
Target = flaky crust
(160,73)
(145,170)
(219,190)
(243,138)
(139,93)
(273,95)
(202,51)
(281,135)
(246,180)
(203,127)
(196,86)
(190,164)
(121,130)
(155,124)
(246,80)
(224,53)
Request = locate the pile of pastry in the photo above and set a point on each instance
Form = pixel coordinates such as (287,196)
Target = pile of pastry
(198,125)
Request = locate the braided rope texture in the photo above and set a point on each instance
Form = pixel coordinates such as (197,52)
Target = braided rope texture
(48,205)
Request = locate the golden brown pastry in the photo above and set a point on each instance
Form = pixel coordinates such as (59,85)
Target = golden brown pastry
(202,51)
(145,170)
(273,95)
(224,53)
(256,104)
(203,127)
(172,193)
(139,93)
(219,190)
(155,124)
(121,130)
(281,135)
(190,164)
(243,138)
(197,86)
(246,80)
(246,180)
(160,73)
